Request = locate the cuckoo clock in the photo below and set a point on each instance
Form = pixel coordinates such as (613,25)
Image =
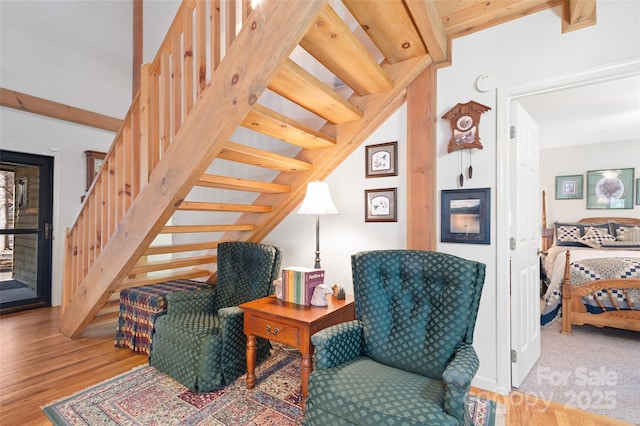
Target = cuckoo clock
(465,122)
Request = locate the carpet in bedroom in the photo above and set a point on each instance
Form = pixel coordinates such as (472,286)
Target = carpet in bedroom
(594,369)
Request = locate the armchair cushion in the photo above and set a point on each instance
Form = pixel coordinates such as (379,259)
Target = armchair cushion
(365,392)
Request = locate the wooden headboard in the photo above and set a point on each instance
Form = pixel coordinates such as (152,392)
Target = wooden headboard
(627,221)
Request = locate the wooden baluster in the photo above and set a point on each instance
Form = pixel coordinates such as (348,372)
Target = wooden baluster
(187,58)
(201,46)
(145,156)
(176,82)
(214,33)
(230,21)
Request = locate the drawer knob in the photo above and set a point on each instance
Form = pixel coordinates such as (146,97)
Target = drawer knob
(274,332)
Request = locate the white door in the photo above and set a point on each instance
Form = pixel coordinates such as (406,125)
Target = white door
(525,241)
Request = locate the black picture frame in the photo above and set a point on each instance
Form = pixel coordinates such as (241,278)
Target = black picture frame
(380,205)
(381,160)
(466,216)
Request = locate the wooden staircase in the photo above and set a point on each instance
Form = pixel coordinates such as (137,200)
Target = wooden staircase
(237,112)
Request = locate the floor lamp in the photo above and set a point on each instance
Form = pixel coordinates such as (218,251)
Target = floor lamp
(317,201)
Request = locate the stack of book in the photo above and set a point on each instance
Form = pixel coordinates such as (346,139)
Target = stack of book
(298,284)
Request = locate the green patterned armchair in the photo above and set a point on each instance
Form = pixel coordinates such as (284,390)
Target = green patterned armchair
(200,342)
(408,357)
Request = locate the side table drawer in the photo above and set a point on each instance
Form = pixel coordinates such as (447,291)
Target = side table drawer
(274,330)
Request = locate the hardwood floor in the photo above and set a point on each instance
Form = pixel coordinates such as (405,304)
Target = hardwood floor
(40,365)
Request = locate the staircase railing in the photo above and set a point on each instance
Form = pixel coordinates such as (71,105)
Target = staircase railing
(170,88)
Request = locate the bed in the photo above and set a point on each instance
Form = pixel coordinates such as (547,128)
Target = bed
(592,272)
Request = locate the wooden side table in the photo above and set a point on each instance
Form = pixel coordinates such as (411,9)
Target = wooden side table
(292,325)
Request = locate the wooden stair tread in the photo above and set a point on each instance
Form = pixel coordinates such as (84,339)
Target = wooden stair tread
(256,157)
(160,265)
(271,123)
(395,35)
(238,184)
(222,207)
(176,248)
(169,276)
(177,229)
(299,86)
(332,43)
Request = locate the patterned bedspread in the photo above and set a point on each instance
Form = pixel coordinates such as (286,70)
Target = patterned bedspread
(586,270)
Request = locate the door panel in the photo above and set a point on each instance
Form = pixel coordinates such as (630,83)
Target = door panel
(26,196)
(525,234)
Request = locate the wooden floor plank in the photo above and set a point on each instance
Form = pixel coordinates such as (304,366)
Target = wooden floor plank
(40,365)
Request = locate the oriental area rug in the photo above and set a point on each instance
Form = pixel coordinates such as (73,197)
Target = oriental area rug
(145,396)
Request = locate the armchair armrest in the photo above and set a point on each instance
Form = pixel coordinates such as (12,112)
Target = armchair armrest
(231,321)
(457,379)
(337,344)
(463,366)
(191,301)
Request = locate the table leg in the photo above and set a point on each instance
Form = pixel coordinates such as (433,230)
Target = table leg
(251,361)
(307,366)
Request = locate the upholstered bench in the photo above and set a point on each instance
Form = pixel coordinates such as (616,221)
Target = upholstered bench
(141,306)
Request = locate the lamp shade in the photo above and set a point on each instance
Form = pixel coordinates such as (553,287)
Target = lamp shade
(318,200)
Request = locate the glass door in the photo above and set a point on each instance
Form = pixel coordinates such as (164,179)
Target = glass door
(26,205)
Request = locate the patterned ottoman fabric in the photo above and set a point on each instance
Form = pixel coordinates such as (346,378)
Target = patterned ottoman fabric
(140,307)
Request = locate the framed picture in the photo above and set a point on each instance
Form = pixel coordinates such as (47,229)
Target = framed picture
(380,205)
(466,216)
(637,191)
(381,160)
(94,162)
(610,189)
(569,187)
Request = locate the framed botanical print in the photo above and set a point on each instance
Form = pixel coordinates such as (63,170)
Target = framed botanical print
(569,187)
(380,205)
(381,160)
(610,189)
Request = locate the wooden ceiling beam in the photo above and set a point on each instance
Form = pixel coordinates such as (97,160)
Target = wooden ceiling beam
(35,105)
(577,14)
(465,17)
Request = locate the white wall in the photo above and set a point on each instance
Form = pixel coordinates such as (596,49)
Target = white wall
(582,158)
(76,53)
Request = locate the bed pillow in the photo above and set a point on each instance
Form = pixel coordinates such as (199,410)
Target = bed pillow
(627,233)
(627,237)
(569,234)
(594,237)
